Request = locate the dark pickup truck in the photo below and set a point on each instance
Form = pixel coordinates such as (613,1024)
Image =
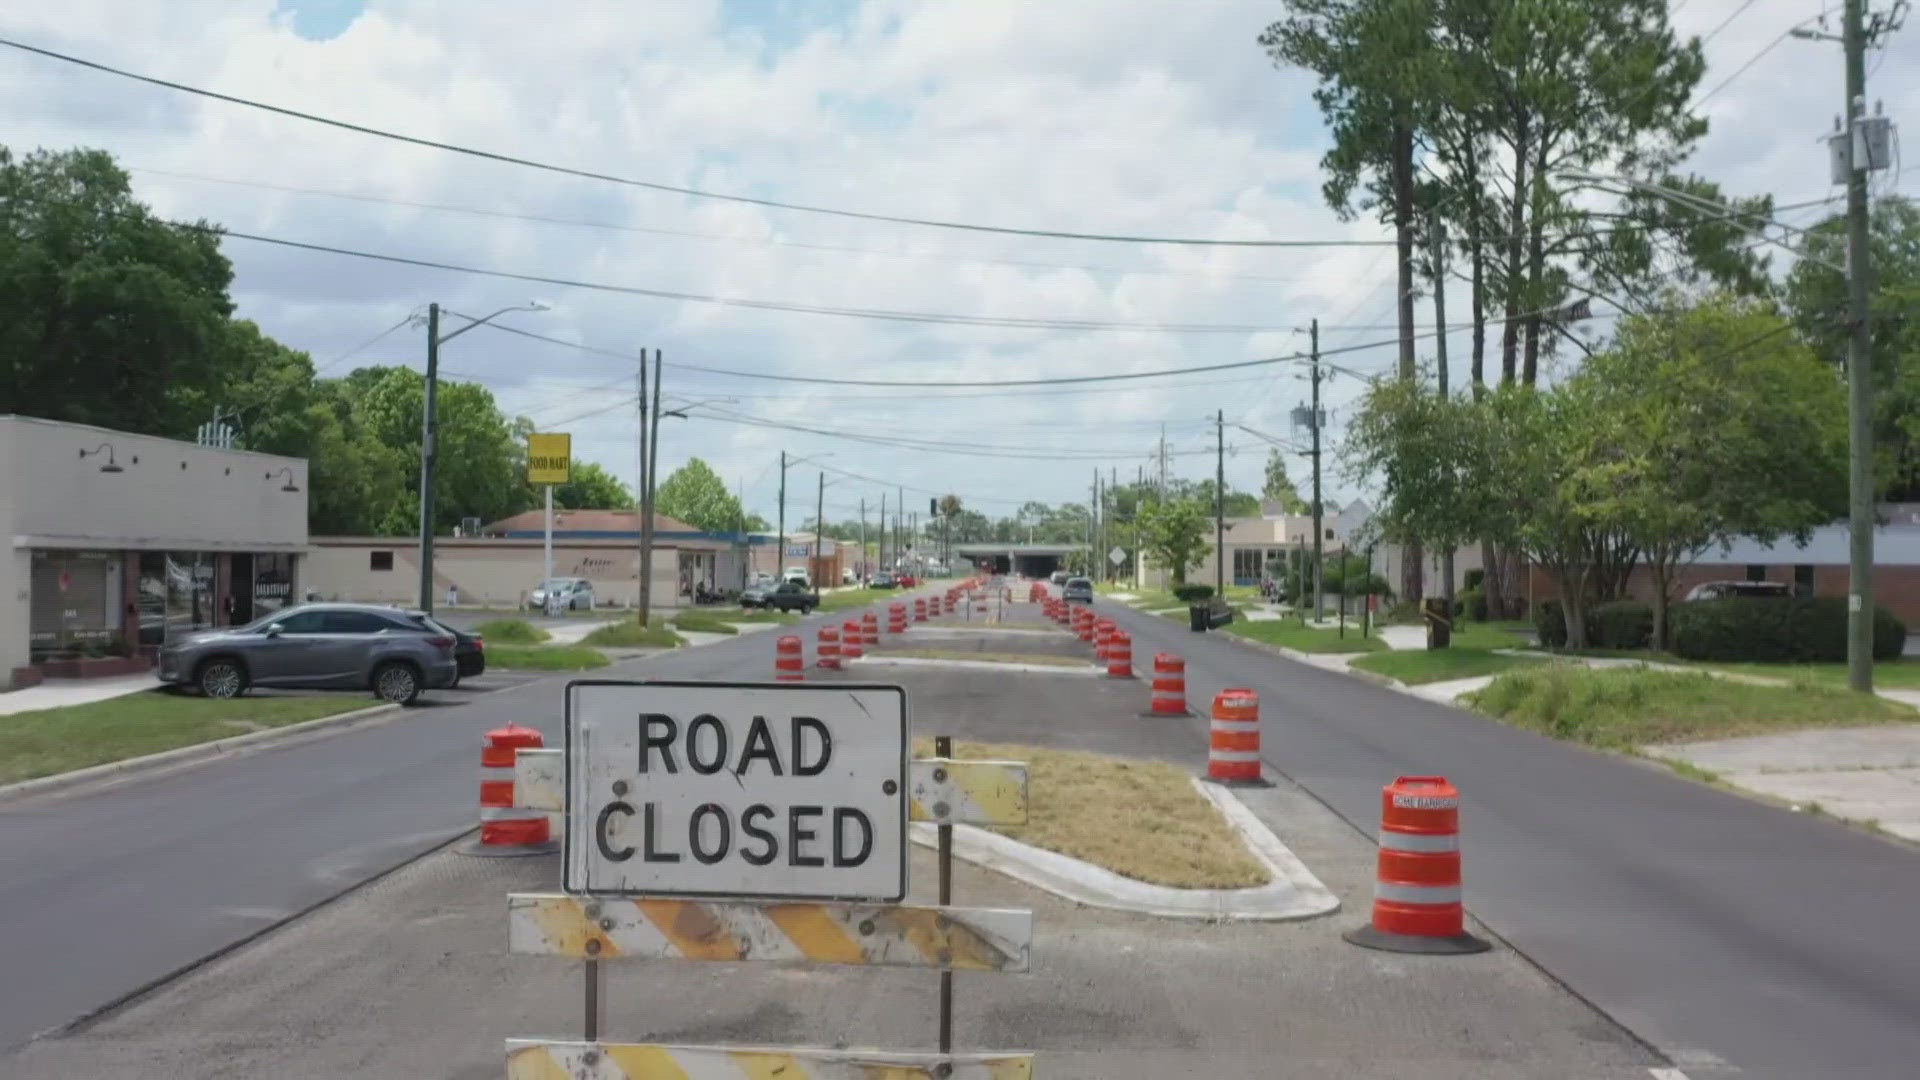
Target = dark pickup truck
(787,596)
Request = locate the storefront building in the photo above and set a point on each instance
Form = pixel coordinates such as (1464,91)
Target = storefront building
(114,542)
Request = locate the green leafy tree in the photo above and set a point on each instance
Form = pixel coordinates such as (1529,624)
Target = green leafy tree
(1816,295)
(949,506)
(1714,422)
(1279,488)
(588,487)
(1173,533)
(106,312)
(481,460)
(1419,447)
(696,495)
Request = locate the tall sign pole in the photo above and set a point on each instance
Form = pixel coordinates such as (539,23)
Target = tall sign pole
(1319,529)
(549,462)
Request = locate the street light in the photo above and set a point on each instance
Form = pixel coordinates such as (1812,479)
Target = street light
(780,554)
(430,428)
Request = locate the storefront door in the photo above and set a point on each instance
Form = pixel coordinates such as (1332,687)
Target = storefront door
(240,589)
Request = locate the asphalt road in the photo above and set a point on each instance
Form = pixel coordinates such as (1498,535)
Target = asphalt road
(1721,930)
(106,890)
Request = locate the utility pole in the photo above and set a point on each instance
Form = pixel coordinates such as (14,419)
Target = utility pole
(640,498)
(863,572)
(1319,530)
(780,552)
(429,434)
(1220,504)
(1162,455)
(880,535)
(1860,517)
(646,512)
(899,522)
(1440,370)
(819,528)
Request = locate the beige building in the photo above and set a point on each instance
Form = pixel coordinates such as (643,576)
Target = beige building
(116,541)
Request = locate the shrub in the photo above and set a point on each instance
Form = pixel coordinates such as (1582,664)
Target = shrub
(511,632)
(1620,624)
(1192,593)
(1550,623)
(1472,602)
(1761,630)
(1476,579)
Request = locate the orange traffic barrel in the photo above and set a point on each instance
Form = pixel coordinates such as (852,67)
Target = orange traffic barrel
(850,640)
(1416,892)
(869,629)
(1233,751)
(1103,631)
(1083,624)
(1169,685)
(506,829)
(896,618)
(1120,655)
(919,609)
(789,659)
(827,652)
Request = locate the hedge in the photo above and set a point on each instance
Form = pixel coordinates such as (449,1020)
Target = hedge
(1190,593)
(1472,604)
(1620,624)
(1550,623)
(1777,631)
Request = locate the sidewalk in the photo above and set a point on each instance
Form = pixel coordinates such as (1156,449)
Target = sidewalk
(58,693)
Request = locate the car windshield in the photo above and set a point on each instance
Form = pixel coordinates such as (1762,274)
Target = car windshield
(1079,583)
(555,584)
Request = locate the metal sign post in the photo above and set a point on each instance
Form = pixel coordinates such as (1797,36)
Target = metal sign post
(825,822)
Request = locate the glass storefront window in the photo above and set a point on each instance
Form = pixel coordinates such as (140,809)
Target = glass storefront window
(272,583)
(150,598)
(75,602)
(189,592)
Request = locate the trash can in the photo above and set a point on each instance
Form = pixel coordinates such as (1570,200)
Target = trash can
(1197,617)
(1439,624)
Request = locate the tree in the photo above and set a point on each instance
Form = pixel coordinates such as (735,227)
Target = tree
(481,460)
(1816,294)
(696,495)
(106,312)
(1715,422)
(1173,533)
(949,506)
(589,487)
(1278,488)
(1421,448)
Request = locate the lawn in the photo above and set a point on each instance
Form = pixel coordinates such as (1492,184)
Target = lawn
(702,622)
(545,657)
(1625,707)
(1492,635)
(1142,819)
(628,634)
(1901,674)
(48,741)
(993,657)
(853,598)
(1416,666)
(1292,635)
(511,632)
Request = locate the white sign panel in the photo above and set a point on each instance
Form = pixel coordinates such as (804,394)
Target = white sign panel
(736,789)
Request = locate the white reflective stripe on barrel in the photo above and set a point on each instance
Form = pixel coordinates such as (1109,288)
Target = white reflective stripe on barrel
(1416,894)
(508,813)
(1234,727)
(1234,755)
(1419,842)
(495,772)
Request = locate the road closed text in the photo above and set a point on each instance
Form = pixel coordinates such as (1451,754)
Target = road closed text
(719,789)
(760,833)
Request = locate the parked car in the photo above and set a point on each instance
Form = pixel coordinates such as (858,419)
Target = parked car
(321,647)
(1059,577)
(847,576)
(881,580)
(570,592)
(906,581)
(786,596)
(1720,590)
(1079,588)
(469,650)
(795,573)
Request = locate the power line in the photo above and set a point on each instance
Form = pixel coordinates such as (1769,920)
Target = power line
(673,189)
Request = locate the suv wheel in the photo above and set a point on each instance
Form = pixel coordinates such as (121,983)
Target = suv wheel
(222,678)
(396,683)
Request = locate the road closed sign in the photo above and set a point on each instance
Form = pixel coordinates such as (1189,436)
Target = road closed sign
(736,789)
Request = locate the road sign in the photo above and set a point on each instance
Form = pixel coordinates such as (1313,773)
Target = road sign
(1117,556)
(549,458)
(736,790)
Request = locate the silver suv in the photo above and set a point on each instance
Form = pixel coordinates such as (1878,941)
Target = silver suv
(319,646)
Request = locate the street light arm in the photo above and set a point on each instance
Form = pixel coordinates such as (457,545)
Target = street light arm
(444,338)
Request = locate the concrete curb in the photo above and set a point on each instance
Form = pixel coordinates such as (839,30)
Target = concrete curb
(181,755)
(1294,893)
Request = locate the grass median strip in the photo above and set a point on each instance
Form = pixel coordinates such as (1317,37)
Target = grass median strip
(545,657)
(48,741)
(1627,707)
(1417,666)
(511,632)
(1140,819)
(701,622)
(992,657)
(628,634)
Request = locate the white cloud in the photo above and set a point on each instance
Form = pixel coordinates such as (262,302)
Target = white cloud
(1142,117)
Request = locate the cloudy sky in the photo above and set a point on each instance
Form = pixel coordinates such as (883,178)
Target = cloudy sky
(1135,117)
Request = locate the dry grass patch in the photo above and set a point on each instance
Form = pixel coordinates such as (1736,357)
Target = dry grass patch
(1140,819)
(991,657)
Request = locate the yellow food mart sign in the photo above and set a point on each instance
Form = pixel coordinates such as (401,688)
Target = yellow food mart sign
(549,458)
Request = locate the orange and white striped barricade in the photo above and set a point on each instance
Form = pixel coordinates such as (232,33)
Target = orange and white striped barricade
(1103,631)
(1169,686)
(789,659)
(896,618)
(1083,621)
(850,640)
(1233,749)
(869,629)
(1416,893)
(1119,655)
(919,609)
(827,650)
(507,828)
